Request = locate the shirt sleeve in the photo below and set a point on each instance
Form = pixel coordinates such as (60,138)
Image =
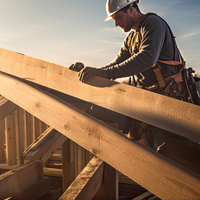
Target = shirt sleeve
(152,39)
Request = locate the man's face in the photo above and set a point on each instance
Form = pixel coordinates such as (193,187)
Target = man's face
(124,20)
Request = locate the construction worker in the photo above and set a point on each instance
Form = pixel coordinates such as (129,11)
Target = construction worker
(147,53)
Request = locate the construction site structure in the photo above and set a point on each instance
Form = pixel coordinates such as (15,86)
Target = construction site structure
(52,150)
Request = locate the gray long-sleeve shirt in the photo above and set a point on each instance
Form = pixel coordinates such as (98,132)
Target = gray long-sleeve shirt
(142,49)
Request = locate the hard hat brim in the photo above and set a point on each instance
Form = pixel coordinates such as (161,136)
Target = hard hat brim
(108,18)
(110,15)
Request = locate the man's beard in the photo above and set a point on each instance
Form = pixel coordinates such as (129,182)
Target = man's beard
(129,24)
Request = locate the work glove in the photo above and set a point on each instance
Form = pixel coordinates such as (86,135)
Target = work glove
(88,72)
(77,66)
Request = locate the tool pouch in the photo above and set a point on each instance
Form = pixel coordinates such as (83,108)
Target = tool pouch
(193,85)
(181,86)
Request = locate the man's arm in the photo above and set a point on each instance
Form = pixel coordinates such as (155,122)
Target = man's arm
(153,34)
(152,39)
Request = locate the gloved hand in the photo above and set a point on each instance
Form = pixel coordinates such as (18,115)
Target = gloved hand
(88,72)
(77,66)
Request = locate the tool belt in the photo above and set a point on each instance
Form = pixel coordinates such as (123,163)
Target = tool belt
(176,86)
(181,86)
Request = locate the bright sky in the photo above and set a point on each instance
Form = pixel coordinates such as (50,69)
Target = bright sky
(66,31)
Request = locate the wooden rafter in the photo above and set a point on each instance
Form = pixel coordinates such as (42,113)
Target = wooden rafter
(45,146)
(87,182)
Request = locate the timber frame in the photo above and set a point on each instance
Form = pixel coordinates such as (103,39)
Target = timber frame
(37,121)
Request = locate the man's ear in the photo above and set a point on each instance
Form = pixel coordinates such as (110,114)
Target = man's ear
(131,10)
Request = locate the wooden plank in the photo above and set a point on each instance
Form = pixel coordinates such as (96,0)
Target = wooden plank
(154,172)
(57,157)
(10,139)
(42,126)
(5,166)
(83,151)
(44,148)
(28,134)
(87,182)
(19,135)
(109,188)
(145,195)
(20,178)
(45,136)
(36,131)
(80,159)
(164,112)
(72,160)
(2,141)
(51,172)
(76,159)
(68,166)
(6,107)
(34,191)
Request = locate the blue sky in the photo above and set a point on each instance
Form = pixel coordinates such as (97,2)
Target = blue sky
(66,31)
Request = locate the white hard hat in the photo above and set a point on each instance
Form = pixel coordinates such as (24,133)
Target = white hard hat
(113,6)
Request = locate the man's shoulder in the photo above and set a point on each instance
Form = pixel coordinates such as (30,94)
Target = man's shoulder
(153,20)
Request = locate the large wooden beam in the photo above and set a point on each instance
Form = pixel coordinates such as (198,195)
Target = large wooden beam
(6,107)
(164,112)
(157,174)
(20,178)
(87,182)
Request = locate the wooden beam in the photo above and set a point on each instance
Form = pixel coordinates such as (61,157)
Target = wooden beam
(10,139)
(158,110)
(51,172)
(87,183)
(36,130)
(34,191)
(20,178)
(45,146)
(145,195)
(6,107)
(41,140)
(19,136)
(152,171)
(28,136)
(110,185)
(5,166)
(2,141)
(68,163)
